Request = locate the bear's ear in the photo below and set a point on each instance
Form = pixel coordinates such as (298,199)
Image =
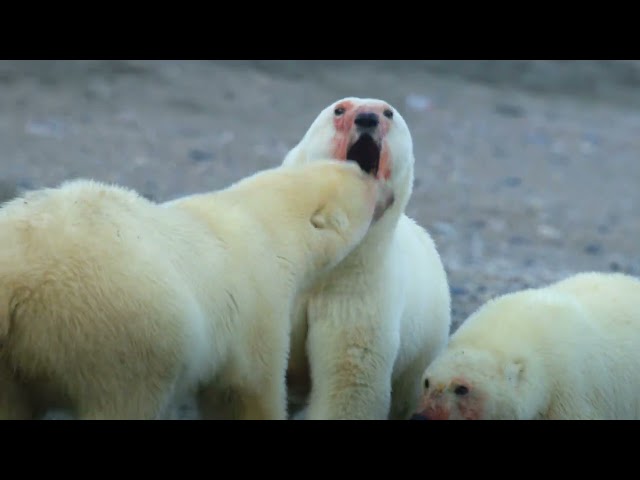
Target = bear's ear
(319,220)
(515,371)
(329,217)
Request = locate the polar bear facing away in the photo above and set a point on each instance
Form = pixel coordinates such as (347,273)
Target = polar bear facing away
(113,306)
(569,351)
(364,334)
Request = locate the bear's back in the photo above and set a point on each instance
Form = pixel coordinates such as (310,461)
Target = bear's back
(612,300)
(80,221)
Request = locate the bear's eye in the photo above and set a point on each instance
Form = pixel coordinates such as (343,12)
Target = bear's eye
(388,113)
(339,111)
(426,383)
(461,390)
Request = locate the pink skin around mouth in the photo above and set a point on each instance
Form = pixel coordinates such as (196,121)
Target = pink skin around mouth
(344,127)
(434,404)
(436,412)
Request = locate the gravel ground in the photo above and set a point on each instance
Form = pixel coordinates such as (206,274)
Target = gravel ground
(526,171)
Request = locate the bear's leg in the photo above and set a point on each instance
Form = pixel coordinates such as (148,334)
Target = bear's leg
(125,398)
(263,389)
(263,401)
(242,403)
(137,403)
(15,402)
(252,385)
(268,403)
(216,403)
(406,390)
(351,359)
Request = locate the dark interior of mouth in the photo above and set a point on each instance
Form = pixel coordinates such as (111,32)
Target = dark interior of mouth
(366,153)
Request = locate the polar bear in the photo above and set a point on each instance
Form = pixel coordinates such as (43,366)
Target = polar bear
(568,351)
(363,335)
(114,307)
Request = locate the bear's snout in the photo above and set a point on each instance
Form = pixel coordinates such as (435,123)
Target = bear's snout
(367,120)
(418,416)
(434,413)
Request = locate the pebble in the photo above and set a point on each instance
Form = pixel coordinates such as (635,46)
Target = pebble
(593,249)
(45,128)
(457,291)
(549,232)
(518,240)
(418,103)
(511,182)
(8,190)
(445,229)
(509,110)
(538,138)
(200,155)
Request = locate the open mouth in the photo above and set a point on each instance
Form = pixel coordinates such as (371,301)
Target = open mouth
(366,153)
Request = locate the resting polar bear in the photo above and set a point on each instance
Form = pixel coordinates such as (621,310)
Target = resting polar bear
(113,306)
(364,334)
(567,351)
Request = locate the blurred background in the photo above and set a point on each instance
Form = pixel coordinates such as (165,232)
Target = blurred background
(526,171)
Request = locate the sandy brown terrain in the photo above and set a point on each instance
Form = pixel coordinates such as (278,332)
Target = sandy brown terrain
(525,171)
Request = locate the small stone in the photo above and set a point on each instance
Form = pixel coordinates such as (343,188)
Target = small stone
(511,181)
(538,138)
(478,224)
(445,229)
(592,138)
(48,128)
(586,148)
(518,240)
(457,291)
(549,232)
(509,110)
(25,184)
(559,158)
(8,190)
(200,155)
(418,103)
(499,152)
(497,225)
(593,249)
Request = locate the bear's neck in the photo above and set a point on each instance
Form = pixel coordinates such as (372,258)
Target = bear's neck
(378,239)
(281,245)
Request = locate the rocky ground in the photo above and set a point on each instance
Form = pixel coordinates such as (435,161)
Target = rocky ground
(525,171)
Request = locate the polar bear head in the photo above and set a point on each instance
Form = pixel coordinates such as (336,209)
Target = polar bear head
(370,132)
(495,366)
(318,212)
(471,384)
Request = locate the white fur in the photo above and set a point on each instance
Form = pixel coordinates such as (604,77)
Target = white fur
(568,351)
(113,306)
(364,335)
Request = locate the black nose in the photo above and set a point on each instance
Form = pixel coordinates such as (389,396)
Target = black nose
(366,120)
(419,416)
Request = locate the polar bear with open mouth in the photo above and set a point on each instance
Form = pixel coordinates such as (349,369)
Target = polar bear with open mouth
(363,336)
